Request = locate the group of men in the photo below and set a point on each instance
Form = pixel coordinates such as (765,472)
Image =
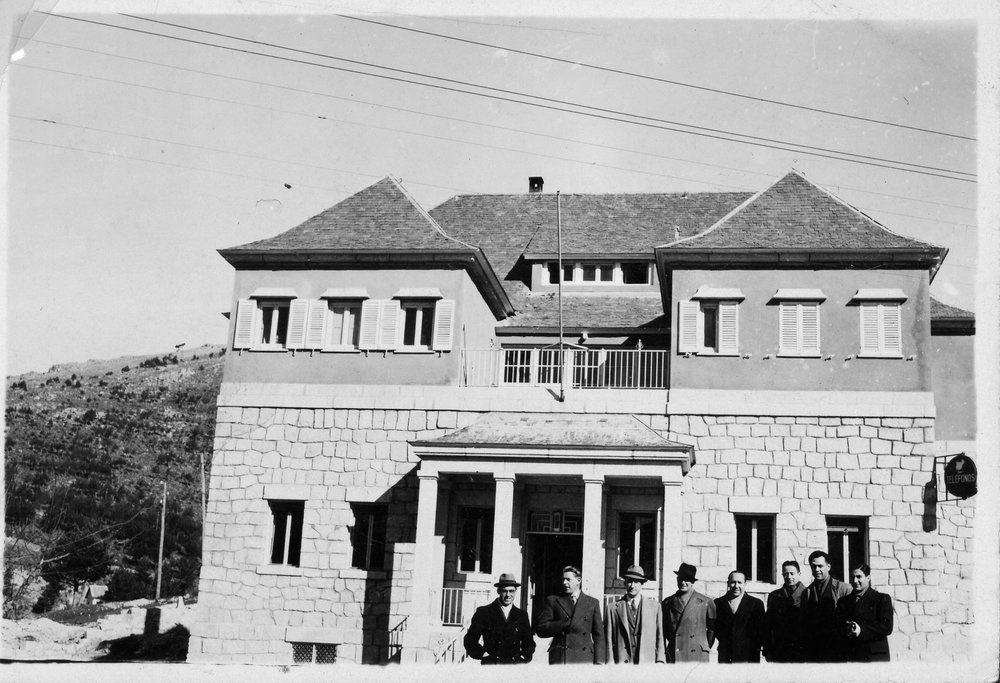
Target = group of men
(799,624)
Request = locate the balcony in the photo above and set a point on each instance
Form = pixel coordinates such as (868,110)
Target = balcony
(582,368)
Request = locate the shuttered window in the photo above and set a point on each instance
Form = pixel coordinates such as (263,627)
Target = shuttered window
(708,327)
(798,331)
(379,324)
(880,329)
(267,325)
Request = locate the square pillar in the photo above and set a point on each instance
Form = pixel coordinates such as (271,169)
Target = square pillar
(417,633)
(673,522)
(503,525)
(593,549)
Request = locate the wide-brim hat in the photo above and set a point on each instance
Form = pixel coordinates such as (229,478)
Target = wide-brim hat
(687,571)
(506,580)
(635,573)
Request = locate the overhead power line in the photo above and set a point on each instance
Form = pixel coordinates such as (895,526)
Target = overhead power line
(804,149)
(443,117)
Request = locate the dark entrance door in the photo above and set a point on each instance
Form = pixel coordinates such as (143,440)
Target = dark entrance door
(547,555)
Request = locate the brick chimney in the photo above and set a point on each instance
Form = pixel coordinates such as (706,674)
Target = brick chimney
(535,183)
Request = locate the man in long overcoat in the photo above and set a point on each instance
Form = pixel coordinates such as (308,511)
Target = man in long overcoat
(823,629)
(634,628)
(784,617)
(500,632)
(867,618)
(573,621)
(739,623)
(688,620)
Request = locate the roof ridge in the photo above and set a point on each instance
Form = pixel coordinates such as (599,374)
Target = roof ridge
(722,220)
(423,212)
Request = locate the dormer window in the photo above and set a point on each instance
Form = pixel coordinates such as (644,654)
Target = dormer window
(597,273)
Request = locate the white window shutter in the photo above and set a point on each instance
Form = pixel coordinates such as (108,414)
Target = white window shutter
(246,310)
(687,326)
(869,329)
(315,323)
(370,310)
(788,328)
(388,326)
(729,328)
(297,312)
(444,322)
(810,327)
(891,324)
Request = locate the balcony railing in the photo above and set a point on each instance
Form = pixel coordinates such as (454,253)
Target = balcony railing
(458,604)
(583,368)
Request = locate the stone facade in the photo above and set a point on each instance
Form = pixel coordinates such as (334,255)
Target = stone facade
(799,468)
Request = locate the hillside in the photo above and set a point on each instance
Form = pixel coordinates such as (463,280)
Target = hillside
(87,446)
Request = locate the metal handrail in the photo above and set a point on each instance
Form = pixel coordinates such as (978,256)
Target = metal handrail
(583,368)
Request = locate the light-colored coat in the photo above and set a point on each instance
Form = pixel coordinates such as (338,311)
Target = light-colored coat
(690,629)
(649,639)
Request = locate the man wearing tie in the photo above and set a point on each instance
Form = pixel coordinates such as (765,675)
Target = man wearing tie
(634,627)
(573,621)
(739,623)
(688,620)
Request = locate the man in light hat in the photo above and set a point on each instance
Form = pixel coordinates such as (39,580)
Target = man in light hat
(688,620)
(502,628)
(634,628)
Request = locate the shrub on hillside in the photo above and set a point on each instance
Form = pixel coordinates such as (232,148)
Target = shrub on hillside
(126,584)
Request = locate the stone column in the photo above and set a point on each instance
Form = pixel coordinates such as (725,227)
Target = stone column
(417,634)
(593,550)
(673,520)
(503,518)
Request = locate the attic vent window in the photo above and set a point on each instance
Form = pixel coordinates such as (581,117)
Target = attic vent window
(535,184)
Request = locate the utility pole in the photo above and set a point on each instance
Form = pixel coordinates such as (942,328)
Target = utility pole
(163,523)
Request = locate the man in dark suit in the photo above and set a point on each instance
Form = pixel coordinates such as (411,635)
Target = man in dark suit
(634,628)
(688,620)
(823,629)
(573,621)
(867,618)
(739,623)
(503,629)
(783,642)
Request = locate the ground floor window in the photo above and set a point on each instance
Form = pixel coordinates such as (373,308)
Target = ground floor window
(286,531)
(368,535)
(755,547)
(636,542)
(314,653)
(475,551)
(847,544)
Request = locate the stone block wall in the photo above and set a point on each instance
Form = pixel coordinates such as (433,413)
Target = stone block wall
(811,467)
(338,455)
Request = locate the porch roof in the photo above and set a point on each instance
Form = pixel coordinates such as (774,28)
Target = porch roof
(558,430)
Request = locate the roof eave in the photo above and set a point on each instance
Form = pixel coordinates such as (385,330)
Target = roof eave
(590,330)
(716,257)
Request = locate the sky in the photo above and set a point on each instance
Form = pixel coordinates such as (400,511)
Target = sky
(138,142)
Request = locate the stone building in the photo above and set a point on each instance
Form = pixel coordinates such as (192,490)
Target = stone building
(744,378)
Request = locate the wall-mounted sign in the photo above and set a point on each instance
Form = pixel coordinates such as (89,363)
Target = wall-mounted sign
(960,476)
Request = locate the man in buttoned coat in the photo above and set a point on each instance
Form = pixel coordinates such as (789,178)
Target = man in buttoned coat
(574,622)
(823,629)
(634,627)
(499,632)
(784,617)
(739,623)
(688,620)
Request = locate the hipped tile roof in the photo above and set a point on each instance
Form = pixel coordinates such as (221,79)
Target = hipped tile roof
(795,214)
(943,311)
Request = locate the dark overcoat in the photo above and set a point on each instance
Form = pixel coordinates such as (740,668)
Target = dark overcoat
(645,644)
(496,640)
(577,632)
(873,613)
(785,628)
(824,630)
(740,635)
(688,629)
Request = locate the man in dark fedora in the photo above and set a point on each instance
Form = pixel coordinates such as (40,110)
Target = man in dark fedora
(634,627)
(573,621)
(500,632)
(688,620)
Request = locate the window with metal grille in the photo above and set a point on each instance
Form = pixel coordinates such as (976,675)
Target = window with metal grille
(636,542)
(368,535)
(286,531)
(475,544)
(755,547)
(847,544)
(314,653)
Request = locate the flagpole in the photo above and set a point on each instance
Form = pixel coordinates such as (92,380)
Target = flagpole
(562,352)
